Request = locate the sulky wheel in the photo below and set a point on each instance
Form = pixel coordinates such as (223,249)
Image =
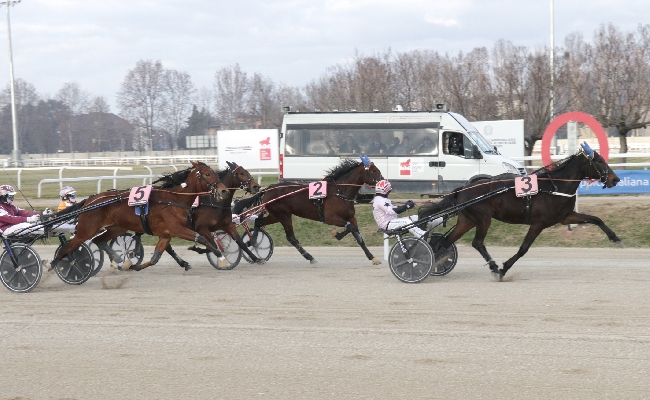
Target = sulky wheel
(128,246)
(98,257)
(228,248)
(75,267)
(263,247)
(446,259)
(24,275)
(416,264)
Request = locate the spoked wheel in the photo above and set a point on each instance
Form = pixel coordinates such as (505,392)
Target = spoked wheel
(128,246)
(446,259)
(228,248)
(75,267)
(29,271)
(263,247)
(98,257)
(416,264)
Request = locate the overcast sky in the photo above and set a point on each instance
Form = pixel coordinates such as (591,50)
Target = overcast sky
(95,42)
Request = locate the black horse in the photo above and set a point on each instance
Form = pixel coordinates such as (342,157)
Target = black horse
(555,203)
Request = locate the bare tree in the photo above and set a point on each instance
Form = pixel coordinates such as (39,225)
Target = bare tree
(142,99)
(24,95)
(620,80)
(76,99)
(263,101)
(180,97)
(231,94)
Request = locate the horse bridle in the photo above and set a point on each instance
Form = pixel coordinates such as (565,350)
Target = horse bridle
(243,185)
(602,175)
(212,187)
(367,168)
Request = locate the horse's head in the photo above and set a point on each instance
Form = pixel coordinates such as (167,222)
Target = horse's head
(244,178)
(372,175)
(597,168)
(206,176)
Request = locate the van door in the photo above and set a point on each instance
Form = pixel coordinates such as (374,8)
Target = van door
(457,165)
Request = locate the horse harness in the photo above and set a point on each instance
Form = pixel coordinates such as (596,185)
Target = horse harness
(319,202)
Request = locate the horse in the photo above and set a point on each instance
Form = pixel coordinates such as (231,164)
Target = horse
(168,210)
(212,216)
(554,203)
(283,200)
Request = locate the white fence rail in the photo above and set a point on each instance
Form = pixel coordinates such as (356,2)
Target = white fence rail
(103,161)
(99,180)
(612,156)
(60,169)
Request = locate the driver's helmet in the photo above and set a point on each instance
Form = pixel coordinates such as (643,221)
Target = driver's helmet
(67,192)
(383,187)
(7,190)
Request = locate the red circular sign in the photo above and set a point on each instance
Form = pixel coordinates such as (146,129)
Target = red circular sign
(579,117)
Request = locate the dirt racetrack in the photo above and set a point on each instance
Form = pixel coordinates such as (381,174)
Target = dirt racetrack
(567,323)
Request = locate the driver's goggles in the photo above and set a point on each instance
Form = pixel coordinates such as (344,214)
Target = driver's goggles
(10,196)
(72,195)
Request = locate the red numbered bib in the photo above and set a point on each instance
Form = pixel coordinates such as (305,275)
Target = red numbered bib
(526,185)
(139,195)
(317,190)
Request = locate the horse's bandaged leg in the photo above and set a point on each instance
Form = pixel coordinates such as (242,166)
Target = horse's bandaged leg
(156,257)
(302,251)
(362,244)
(112,254)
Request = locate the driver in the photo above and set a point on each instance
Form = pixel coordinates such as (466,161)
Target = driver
(386,214)
(68,197)
(13,218)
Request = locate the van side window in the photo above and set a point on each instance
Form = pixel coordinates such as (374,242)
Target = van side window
(454,144)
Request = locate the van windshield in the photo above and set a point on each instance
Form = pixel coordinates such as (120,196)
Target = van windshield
(473,133)
(370,139)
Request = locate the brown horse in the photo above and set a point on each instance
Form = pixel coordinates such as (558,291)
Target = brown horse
(211,216)
(555,203)
(168,210)
(344,181)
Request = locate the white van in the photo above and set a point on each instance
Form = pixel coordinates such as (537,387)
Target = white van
(425,152)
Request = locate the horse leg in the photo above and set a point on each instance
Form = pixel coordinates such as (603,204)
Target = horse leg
(176,257)
(288,230)
(162,244)
(532,234)
(577,218)
(478,242)
(116,260)
(340,235)
(352,226)
(231,230)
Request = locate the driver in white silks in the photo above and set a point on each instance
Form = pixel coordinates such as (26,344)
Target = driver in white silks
(386,214)
(14,219)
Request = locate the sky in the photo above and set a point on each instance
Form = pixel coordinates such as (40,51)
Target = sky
(96,42)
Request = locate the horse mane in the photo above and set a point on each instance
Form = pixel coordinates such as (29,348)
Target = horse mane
(170,179)
(343,168)
(554,167)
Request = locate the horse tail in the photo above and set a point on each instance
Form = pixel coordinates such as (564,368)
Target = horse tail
(72,208)
(241,205)
(434,208)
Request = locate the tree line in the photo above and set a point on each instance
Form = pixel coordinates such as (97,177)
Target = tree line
(607,77)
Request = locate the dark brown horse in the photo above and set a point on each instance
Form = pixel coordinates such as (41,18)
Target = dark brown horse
(168,211)
(555,203)
(211,216)
(283,200)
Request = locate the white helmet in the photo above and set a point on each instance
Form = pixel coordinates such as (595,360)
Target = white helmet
(67,191)
(7,190)
(383,187)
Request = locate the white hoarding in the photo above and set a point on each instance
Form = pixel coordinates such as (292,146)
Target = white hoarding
(507,135)
(250,148)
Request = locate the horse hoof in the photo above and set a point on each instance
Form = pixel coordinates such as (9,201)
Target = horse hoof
(313,261)
(126,265)
(223,262)
(261,262)
(187,266)
(497,276)
(619,244)
(375,261)
(334,232)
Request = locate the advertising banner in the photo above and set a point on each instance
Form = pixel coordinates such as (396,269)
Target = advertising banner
(632,182)
(250,148)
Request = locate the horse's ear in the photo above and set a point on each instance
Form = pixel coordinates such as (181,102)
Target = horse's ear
(231,165)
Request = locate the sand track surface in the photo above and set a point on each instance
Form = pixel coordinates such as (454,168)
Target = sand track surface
(566,323)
